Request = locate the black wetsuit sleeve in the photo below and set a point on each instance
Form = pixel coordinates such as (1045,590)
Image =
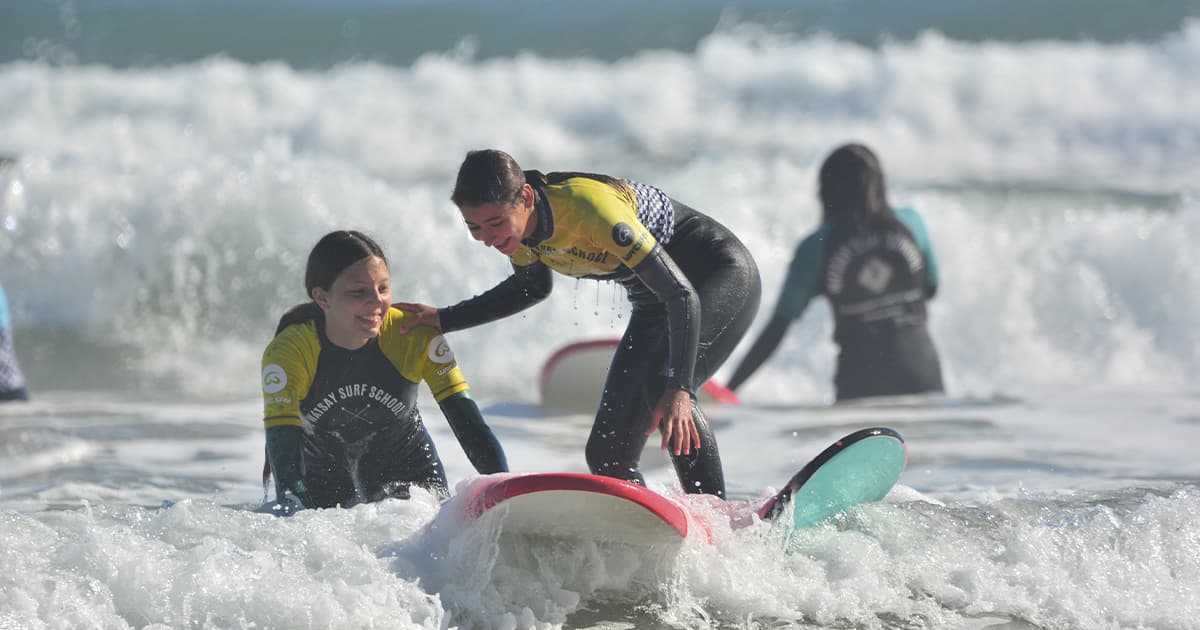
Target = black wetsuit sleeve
(284,446)
(768,340)
(475,436)
(528,285)
(663,277)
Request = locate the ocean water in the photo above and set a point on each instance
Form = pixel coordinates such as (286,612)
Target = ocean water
(167,166)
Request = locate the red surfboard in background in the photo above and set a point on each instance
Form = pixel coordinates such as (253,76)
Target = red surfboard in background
(573,378)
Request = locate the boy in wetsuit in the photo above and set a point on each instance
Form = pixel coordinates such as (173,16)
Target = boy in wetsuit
(693,285)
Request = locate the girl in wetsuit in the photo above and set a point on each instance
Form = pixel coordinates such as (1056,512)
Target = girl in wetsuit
(340,384)
(876,267)
(694,289)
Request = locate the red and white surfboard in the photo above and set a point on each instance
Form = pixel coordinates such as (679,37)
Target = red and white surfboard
(573,377)
(575,505)
(859,468)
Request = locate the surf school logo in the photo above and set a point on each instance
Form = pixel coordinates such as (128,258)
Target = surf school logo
(439,350)
(273,379)
(622,234)
(875,275)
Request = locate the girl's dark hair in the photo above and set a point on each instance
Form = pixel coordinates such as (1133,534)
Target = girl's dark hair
(491,175)
(852,189)
(854,197)
(327,260)
(486,176)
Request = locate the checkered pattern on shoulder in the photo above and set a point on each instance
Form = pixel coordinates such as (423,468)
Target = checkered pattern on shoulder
(654,210)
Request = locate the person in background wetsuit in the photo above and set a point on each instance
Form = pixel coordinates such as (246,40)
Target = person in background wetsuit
(876,267)
(340,382)
(693,286)
(12,380)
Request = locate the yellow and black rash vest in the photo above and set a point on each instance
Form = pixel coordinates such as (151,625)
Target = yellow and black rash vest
(352,402)
(596,229)
(304,379)
(604,228)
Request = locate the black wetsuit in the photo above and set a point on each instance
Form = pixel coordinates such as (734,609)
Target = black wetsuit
(878,285)
(694,288)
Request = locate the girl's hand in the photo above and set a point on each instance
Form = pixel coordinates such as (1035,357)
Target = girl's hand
(674,412)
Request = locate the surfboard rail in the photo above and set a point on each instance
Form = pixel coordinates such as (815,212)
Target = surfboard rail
(860,467)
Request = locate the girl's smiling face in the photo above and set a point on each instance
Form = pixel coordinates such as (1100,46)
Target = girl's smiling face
(356,302)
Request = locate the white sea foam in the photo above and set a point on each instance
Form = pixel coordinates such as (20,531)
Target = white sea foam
(164,213)
(155,220)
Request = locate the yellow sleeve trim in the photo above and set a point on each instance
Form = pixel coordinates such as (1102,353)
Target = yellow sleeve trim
(450,391)
(282,421)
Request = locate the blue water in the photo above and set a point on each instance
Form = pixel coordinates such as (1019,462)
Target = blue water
(167,166)
(316,34)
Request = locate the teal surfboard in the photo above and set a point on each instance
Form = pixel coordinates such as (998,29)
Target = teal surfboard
(858,468)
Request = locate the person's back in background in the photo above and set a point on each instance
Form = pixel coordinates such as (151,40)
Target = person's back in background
(876,267)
